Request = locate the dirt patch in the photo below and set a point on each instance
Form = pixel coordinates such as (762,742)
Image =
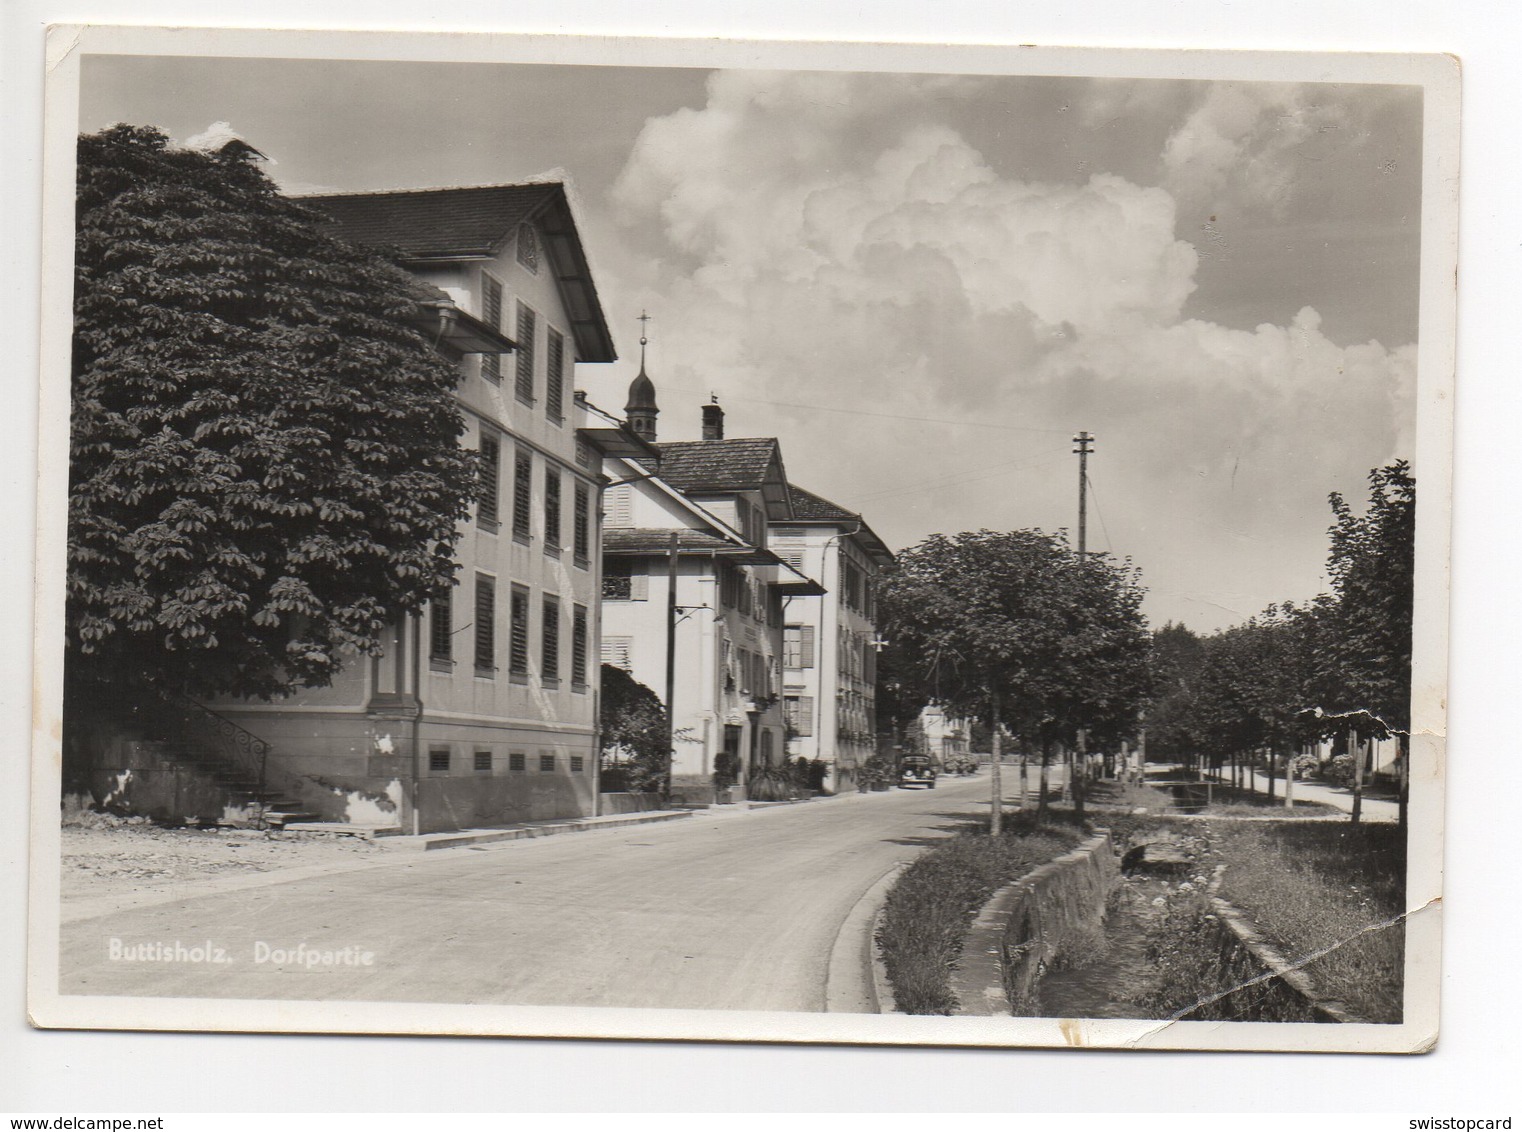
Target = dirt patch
(105,855)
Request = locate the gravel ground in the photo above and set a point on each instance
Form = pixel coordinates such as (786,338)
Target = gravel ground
(105,855)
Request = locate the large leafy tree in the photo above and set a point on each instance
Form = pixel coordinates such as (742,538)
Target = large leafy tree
(1372,564)
(264,456)
(1017,630)
(636,736)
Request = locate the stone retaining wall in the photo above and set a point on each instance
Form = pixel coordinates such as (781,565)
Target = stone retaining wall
(1028,924)
(1268,987)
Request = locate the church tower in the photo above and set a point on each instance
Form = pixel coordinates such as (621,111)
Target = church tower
(642,410)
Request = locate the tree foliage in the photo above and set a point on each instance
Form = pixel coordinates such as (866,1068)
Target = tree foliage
(635,736)
(1294,674)
(1372,567)
(264,456)
(1019,615)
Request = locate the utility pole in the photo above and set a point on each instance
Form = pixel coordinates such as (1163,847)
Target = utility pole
(1083,440)
(671,610)
(1080,759)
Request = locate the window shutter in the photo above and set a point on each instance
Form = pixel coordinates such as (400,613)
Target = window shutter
(639,587)
(616,651)
(578,644)
(491,475)
(485,626)
(554,377)
(523,493)
(491,314)
(805,715)
(528,323)
(552,525)
(549,667)
(518,645)
(806,646)
(582,537)
(440,629)
(620,506)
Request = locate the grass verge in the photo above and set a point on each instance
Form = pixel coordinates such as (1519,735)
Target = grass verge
(1309,886)
(930,906)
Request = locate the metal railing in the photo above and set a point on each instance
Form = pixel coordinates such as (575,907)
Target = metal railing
(233,744)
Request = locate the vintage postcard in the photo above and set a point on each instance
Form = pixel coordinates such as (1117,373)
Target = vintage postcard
(726,540)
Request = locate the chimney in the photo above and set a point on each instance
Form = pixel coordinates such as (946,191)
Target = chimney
(713,421)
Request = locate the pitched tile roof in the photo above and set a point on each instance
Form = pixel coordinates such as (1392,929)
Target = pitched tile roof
(430,224)
(657,540)
(807,505)
(435,222)
(717,465)
(811,508)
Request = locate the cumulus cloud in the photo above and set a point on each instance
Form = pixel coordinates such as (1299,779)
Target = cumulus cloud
(825,240)
(1252,138)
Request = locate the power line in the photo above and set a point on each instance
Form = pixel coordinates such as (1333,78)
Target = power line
(885,416)
(957,480)
(1109,543)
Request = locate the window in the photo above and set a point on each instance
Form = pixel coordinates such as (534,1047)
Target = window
(852,576)
(619,503)
(440,629)
(552,510)
(515,762)
(582,546)
(729,585)
(799,713)
(486,629)
(798,646)
(483,761)
(554,377)
(624,579)
(578,764)
(438,759)
(549,636)
(546,764)
(616,650)
(523,495)
(491,314)
(491,473)
(528,323)
(517,663)
(579,647)
(793,558)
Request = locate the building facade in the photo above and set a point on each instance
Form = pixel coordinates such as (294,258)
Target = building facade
(692,598)
(830,639)
(483,710)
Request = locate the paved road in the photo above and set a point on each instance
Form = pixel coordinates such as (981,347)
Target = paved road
(1374,809)
(731,911)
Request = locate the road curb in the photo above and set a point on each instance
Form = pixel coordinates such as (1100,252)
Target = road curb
(855,981)
(454,840)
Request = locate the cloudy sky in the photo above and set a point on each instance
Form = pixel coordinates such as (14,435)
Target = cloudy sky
(926,284)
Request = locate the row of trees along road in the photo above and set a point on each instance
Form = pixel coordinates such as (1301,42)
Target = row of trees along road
(1335,667)
(1018,630)
(264,457)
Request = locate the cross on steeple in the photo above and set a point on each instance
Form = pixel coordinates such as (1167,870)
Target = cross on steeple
(641,410)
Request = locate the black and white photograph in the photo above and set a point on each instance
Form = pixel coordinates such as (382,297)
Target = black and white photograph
(752,542)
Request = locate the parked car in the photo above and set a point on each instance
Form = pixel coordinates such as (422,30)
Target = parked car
(916,770)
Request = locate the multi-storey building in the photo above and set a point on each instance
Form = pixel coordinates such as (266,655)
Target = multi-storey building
(830,639)
(483,710)
(688,582)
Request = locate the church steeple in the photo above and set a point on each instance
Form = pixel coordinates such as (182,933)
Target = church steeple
(642,410)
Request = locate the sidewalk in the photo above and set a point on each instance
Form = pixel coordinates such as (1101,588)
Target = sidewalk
(1374,809)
